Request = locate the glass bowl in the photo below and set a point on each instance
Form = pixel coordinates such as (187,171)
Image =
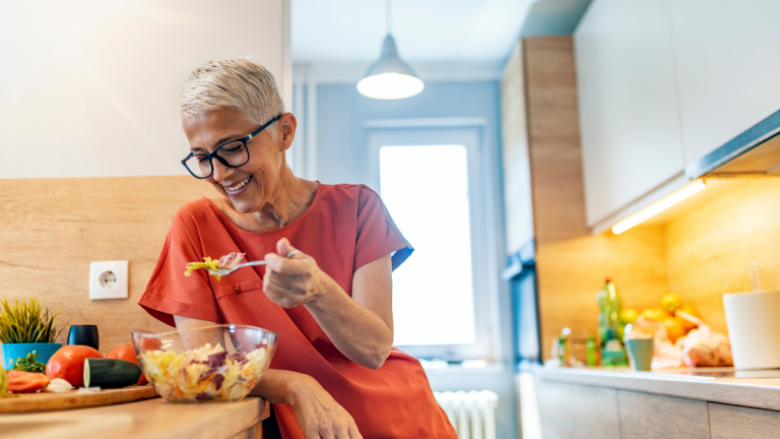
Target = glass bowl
(214,363)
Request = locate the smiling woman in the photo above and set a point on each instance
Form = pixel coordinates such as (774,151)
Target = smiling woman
(335,373)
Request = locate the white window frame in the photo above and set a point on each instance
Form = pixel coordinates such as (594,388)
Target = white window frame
(404,133)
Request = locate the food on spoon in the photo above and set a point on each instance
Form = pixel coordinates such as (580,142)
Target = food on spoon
(204,374)
(228,261)
(110,373)
(26,382)
(127,353)
(68,363)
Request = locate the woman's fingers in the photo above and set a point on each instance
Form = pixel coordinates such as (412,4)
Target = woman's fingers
(300,266)
(354,433)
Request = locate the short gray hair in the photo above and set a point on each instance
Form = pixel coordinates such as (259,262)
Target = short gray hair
(236,83)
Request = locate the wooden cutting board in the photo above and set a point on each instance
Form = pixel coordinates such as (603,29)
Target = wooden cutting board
(39,402)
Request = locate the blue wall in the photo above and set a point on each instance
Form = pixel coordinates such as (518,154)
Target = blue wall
(341,111)
(341,155)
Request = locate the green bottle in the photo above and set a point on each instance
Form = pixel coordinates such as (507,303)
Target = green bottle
(609,305)
(592,351)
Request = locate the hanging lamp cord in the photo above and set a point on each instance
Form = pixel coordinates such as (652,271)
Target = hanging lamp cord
(388,16)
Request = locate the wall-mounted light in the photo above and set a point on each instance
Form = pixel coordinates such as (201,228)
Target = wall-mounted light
(658,207)
(390,77)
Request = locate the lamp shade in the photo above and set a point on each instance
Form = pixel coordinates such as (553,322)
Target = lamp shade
(390,78)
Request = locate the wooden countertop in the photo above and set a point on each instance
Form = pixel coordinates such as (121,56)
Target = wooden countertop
(751,392)
(148,419)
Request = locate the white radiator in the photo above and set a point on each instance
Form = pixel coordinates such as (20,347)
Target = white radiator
(473,414)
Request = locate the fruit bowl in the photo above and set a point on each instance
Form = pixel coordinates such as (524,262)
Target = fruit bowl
(214,363)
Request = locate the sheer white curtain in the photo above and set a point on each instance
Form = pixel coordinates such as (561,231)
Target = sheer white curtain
(302,157)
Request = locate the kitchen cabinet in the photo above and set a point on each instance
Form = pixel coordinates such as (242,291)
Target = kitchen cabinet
(595,413)
(735,422)
(518,208)
(555,409)
(620,403)
(649,416)
(728,67)
(628,107)
(574,411)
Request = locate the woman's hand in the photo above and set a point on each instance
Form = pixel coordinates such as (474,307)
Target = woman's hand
(294,281)
(318,414)
(360,326)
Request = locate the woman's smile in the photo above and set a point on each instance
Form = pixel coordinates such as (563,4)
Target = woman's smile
(237,189)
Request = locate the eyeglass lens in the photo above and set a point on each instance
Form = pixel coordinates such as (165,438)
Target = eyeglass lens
(234,154)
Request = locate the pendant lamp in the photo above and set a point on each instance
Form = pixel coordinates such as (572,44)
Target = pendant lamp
(390,77)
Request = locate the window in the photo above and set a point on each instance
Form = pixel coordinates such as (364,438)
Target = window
(429,180)
(426,189)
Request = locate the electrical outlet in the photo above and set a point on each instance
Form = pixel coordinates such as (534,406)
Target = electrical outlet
(108,280)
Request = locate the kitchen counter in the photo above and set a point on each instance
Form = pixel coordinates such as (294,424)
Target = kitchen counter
(750,392)
(149,419)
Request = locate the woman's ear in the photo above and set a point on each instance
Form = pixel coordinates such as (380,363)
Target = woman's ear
(287,126)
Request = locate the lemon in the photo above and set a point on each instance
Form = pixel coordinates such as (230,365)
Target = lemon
(658,314)
(671,302)
(628,315)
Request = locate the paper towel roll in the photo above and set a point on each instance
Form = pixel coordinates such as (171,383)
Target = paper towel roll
(753,320)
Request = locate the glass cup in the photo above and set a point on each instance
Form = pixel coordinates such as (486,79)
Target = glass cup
(640,353)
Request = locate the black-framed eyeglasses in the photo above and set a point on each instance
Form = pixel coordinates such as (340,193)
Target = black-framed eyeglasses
(232,154)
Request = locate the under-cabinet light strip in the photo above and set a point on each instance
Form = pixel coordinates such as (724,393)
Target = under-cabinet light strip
(658,207)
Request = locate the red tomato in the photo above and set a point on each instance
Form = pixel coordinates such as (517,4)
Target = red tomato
(68,363)
(127,353)
(26,382)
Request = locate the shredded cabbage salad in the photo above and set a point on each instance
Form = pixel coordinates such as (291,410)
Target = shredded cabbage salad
(228,261)
(204,374)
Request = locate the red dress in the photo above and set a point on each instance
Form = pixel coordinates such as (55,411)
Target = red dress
(344,228)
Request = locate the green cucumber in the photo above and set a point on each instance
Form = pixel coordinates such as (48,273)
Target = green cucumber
(110,373)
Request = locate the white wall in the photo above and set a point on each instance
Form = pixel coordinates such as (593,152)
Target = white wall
(89,88)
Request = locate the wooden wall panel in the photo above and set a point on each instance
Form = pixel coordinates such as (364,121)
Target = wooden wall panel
(572,272)
(710,247)
(53,228)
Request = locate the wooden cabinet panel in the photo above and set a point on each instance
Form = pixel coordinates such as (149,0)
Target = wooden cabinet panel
(594,412)
(555,409)
(518,209)
(628,104)
(649,416)
(734,422)
(727,68)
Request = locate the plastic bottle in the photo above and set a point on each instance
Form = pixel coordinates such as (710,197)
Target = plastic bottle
(592,351)
(609,304)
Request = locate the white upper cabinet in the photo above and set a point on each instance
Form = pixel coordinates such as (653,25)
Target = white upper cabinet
(728,68)
(629,118)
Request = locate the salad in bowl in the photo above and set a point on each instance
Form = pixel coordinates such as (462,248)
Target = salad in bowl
(214,363)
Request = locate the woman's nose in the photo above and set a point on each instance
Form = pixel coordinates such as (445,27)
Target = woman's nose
(221,172)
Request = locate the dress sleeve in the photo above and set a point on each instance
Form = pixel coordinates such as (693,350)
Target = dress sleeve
(377,234)
(169,291)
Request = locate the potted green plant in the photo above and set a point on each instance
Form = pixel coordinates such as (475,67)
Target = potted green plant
(26,327)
